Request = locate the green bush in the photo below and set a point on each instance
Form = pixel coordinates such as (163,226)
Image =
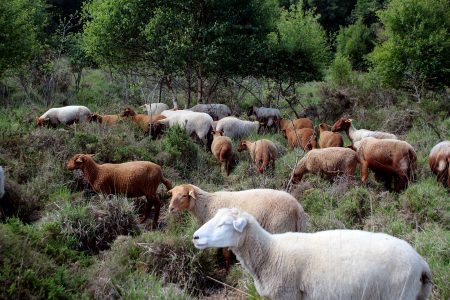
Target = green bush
(340,71)
(354,42)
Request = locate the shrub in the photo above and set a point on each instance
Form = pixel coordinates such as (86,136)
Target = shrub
(340,71)
(354,42)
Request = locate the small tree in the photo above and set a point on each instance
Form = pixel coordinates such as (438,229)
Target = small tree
(415,51)
(355,41)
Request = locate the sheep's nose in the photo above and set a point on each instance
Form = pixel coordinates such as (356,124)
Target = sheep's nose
(195,237)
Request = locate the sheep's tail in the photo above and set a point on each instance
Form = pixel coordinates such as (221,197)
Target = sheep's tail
(166,182)
(302,221)
(427,284)
(412,164)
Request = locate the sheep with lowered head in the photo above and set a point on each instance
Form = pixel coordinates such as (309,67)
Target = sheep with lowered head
(104,119)
(439,162)
(265,115)
(304,138)
(132,179)
(334,264)
(297,123)
(64,115)
(344,124)
(389,159)
(261,151)
(216,110)
(234,127)
(154,108)
(222,149)
(328,138)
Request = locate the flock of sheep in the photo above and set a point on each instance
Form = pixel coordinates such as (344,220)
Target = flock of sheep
(263,227)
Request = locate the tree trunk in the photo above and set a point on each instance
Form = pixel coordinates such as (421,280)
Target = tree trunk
(172,92)
(199,85)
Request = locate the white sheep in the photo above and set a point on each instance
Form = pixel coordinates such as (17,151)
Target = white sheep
(216,110)
(268,116)
(64,115)
(194,122)
(334,264)
(155,108)
(2,182)
(234,127)
(355,135)
(439,162)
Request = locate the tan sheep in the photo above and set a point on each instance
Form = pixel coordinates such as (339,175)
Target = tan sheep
(328,138)
(104,119)
(330,161)
(389,159)
(140,119)
(222,149)
(439,161)
(305,138)
(262,152)
(297,123)
(132,179)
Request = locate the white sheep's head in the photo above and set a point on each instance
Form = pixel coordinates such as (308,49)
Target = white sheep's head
(223,230)
(183,198)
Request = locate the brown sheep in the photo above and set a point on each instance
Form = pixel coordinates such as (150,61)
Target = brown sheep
(222,149)
(389,159)
(284,124)
(439,161)
(330,161)
(142,120)
(132,179)
(305,138)
(104,119)
(328,138)
(262,152)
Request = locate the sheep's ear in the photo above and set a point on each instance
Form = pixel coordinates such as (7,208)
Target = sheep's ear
(169,192)
(348,120)
(213,131)
(79,160)
(192,194)
(239,224)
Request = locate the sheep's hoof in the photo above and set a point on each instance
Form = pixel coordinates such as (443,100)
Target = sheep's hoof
(143,218)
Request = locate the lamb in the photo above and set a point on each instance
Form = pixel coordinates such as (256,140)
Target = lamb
(328,138)
(333,264)
(344,124)
(265,115)
(262,152)
(277,211)
(2,182)
(132,179)
(330,161)
(215,110)
(234,127)
(297,123)
(222,149)
(154,108)
(389,159)
(194,122)
(64,115)
(439,161)
(104,119)
(305,138)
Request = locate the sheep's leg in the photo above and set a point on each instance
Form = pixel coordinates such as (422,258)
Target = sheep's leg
(227,254)
(364,171)
(157,204)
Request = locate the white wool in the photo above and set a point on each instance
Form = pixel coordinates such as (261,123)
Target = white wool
(155,108)
(356,135)
(2,182)
(334,264)
(194,122)
(67,114)
(443,149)
(234,127)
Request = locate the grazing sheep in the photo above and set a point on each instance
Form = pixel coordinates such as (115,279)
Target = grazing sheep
(344,124)
(277,211)
(234,127)
(194,123)
(328,138)
(305,138)
(330,161)
(297,123)
(132,179)
(104,119)
(261,151)
(333,264)
(439,161)
(64,115)
(215,110)
(154,108)
(141,120)
(222,149)
(2,182)
(389,159)
(267,116)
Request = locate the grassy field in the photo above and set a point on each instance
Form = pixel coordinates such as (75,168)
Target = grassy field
(59,241)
